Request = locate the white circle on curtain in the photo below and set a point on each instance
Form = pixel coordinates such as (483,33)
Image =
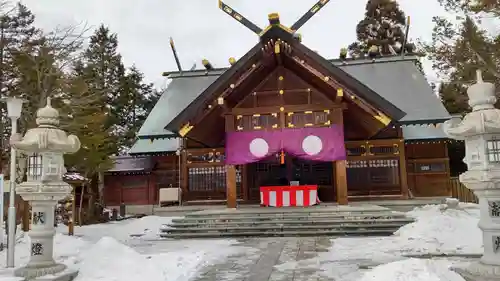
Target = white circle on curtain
(312,145)
(259,147)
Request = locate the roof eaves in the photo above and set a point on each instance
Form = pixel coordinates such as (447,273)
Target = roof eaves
(199,100)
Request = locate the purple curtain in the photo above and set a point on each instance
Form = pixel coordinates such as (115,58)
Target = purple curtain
(321,144)
(251,146)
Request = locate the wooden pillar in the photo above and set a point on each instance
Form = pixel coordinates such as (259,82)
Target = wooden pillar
(244,182)
(231,186)
(340,167)
(403,173)
(230,170)
(340,175)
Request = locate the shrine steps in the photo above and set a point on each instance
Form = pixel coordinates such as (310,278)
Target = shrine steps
(332,221)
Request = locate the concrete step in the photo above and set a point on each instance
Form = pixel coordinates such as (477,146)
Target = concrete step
(183,224)
(298,217)
(331,233)
(278,227)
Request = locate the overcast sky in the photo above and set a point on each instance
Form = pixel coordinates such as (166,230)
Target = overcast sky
(200,30)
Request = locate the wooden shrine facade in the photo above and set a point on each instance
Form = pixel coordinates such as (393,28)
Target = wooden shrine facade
(281,84)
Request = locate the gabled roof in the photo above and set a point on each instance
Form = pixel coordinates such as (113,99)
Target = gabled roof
(152,146)
(275,33)
(400,82)
(176,97)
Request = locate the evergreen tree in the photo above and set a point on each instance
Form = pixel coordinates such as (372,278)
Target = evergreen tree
(103,71)
(456,54)
(135,101)
(17,31)
(381,32)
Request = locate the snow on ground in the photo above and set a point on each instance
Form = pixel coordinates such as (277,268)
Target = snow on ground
(436,231)
(132,250)
(115,251)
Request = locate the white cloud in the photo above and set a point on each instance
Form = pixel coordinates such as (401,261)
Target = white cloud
(201,30)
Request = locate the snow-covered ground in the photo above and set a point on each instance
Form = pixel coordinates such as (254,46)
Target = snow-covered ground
(127,251)
(436,231)
(132,250)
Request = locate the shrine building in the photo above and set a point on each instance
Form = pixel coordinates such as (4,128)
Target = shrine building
(282,114)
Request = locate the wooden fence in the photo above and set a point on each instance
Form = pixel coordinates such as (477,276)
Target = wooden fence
(462,193)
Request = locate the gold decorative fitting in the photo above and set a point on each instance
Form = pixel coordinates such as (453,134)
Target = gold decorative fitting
(364,148)
(232,86)
(353,97)
(273,16)
(308,90)
(281,78)
(232,60)
(239,116)
(383,118)
(308,124)
(239,128)
(209,106)
(315,9)
(205,61)
(257,127)
(238,17)
(340,92)
(326,78)
(256,115)
(370,149)
(185,129)
(282,109)
(308,112)
(254,66)
(302,61)
(274,114)
(254,93)
(290,113)
(277,49)
(327,111)
(282,92)
(220,100)
(275,126)
(290,125)
(327,123)
(396,149)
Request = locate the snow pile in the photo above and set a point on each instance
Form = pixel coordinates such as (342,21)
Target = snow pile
(449,231)
(66,249)
(413,270)
(145,227)
(110,260)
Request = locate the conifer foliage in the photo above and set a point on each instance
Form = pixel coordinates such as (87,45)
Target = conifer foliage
(101,100)
(381,32)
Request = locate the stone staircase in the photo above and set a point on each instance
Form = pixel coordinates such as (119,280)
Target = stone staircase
(364,220)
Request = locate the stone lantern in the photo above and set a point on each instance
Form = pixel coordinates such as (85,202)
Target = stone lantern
(45,146)
(480,129)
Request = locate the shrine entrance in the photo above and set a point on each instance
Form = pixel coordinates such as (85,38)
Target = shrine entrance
(295,171)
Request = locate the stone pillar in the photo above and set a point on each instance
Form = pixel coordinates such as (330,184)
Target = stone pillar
(480,129)
(42,242)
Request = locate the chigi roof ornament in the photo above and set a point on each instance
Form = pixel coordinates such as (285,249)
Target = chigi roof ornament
(274,19)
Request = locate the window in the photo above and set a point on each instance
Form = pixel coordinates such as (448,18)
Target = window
(35,166)
(493,150)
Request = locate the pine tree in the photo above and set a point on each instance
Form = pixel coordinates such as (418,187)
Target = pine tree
(135,101)
(17,31)
(381,32)
(85,119)
(457,54)
(104,74)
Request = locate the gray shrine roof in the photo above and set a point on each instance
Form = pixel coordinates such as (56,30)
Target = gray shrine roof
(394,78)
(131,164)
